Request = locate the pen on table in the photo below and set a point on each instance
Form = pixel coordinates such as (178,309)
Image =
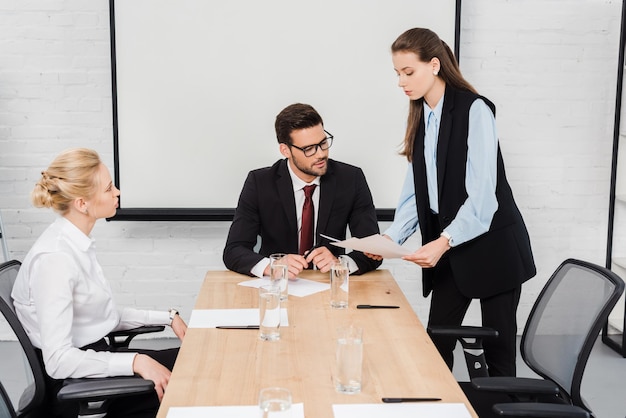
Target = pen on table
(398,400)
(377,307)
(237,327)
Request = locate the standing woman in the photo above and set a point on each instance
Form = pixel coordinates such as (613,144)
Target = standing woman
(475,243)
(64,301)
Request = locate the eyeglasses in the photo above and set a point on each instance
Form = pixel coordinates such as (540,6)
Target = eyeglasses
(311,150)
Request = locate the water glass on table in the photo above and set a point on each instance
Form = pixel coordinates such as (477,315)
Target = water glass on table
(339,284)
(275,403)
(279,273)
(349,359)
(269,313)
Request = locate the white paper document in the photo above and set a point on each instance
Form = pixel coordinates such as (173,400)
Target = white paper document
(375,244)
(299,287)
(402,410)
(211,318)
(247,411)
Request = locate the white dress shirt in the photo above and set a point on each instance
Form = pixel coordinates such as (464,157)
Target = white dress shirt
(64,302)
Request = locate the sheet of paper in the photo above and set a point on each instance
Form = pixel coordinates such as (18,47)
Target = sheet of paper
(211,318)
(375,244)
(247,411)
(299,287)
(402,410)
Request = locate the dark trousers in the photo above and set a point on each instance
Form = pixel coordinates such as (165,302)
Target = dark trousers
(448,307)
(141,406)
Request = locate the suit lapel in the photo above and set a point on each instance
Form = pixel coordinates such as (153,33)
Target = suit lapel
(328,187)
(284,186)
(443,142)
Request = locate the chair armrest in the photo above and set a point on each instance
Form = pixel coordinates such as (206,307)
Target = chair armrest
(98,389)
(471,338)
(463,331)
(121,339)
(539,410)
(516,385)
(94,394)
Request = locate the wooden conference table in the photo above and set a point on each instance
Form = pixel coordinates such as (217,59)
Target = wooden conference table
(229,367)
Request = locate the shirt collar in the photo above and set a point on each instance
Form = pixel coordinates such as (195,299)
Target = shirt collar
(83,242)
(298,183)
(437,110)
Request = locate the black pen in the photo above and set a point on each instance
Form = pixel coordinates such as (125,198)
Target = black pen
(237,327)
(376,307)
(398,400)
(307,252)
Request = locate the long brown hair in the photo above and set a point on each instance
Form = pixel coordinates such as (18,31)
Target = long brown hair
(427,45)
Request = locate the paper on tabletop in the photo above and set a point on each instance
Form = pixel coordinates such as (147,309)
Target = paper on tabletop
(211,318)
(402,410)
(299,287)
(247,411)
(375,244)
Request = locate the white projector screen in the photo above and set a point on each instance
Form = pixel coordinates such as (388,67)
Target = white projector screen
(198,84)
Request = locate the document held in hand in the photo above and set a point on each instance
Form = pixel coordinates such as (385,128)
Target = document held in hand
(374,244)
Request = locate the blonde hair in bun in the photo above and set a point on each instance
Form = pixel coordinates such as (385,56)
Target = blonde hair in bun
(71,175)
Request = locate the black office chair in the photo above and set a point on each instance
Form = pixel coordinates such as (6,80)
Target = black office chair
(6,408)
(92,395)
(560,332)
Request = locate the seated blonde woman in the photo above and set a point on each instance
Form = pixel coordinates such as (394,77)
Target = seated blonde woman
(64,301)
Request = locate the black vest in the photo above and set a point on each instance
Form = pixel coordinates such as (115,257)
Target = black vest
(496,261)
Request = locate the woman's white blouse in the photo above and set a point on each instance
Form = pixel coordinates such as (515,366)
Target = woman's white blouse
(64,302)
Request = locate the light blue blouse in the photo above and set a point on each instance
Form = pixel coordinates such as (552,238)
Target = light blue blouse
(475,215)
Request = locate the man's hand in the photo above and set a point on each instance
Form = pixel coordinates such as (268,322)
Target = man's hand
(295,262)
(322,258)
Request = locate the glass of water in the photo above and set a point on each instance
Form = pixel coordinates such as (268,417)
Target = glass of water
(339,284)
(349,367)
(269,313)
(275,403)
(279,273)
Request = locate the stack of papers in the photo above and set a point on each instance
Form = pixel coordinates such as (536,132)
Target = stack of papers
(426,410)
(298,287)
(402,410)
(211,318)
(375,244)
(248,411)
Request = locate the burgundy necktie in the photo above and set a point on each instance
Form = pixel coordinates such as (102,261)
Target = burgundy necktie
(306,233)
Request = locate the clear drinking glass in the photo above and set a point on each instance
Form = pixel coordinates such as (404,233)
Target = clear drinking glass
(339,284)
(269,313)
(275,403)
(279,273)
(349,357)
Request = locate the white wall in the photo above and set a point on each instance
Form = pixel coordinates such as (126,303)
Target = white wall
(549,65)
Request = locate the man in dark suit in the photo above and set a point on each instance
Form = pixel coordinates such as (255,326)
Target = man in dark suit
(271,203)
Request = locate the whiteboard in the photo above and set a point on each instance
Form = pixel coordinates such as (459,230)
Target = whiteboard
(198,85)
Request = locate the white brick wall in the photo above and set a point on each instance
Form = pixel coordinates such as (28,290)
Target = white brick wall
(549,65)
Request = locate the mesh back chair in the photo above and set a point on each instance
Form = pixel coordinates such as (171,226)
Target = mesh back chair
(6,407)
(560,332)
(92,395)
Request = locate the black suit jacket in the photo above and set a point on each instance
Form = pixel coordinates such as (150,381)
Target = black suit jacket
(267,209)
